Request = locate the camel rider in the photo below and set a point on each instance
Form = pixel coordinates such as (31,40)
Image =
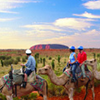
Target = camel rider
(81,58)
(30,65)
(73,62)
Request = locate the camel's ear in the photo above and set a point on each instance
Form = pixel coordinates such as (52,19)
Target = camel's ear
(94,60)
(49,67)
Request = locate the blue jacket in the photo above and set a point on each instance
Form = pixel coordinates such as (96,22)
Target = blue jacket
(31,63)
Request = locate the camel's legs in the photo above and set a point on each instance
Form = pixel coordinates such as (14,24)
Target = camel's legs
(93,94)
(45,97)
(86,91)
(45,92)
(71,91)
(9,97)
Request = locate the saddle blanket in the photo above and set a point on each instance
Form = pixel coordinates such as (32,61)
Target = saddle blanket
(38,84)
(78,75)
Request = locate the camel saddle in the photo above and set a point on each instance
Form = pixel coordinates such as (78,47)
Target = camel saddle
(16,77)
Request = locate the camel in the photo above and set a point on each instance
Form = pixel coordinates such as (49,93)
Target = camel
(65,81)
(93,64)
(23,91)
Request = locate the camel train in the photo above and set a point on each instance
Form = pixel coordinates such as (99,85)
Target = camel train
(63,80)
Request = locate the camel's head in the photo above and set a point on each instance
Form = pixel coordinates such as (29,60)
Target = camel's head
(45,70)
(91,62)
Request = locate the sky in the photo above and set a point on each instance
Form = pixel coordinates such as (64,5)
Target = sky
(25,23)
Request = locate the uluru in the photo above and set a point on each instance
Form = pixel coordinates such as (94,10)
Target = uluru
(48,46)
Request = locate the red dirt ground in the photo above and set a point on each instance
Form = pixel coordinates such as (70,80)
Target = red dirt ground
(78,96)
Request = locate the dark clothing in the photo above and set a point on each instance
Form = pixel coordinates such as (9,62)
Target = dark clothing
(28,72)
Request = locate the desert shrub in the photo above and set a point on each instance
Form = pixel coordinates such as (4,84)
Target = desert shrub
(26,97)
(2,72)
(16,98)
(98,66)
(3,57)
(15,61)
(94,55)
(8,57)
(23,59)
(1,63)
(40,60)
(8,62)
(53,64)
(18,59)
(96,83)
(78,90)
(43,61)
(33,96)
(2,97)
(26,57)
(36,56)
(64,61)
(59,58)
(50,58)
(98,56)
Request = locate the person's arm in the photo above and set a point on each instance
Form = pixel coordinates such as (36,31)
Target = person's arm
(22,64)
(28,63)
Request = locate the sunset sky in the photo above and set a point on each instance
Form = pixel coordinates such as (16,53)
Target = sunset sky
(24,23)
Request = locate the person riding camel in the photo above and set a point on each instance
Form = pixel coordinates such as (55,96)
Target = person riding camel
(73,62)
(82,56)
(30,66)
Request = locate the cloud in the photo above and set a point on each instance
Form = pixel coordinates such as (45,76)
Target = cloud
(92,4)
(7,19)
(43,26)
(6,5)
(62,25)
(9,12)
(74,23)
(88,15)
(88,39)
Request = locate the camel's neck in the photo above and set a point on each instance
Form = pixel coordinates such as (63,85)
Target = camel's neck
(95,72)
(95,67)
(57,80)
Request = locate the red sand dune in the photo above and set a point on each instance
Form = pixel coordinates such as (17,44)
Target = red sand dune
(78,96)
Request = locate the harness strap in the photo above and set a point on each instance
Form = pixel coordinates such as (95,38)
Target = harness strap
(16,90)
(3,86)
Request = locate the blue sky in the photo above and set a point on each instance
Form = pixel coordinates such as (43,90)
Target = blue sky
(24,23)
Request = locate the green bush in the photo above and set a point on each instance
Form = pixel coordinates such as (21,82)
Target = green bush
(43,61)
(50,58)
(53,64)
(8,57)
(18,59)
(33,95)
(40,60)
(1,63)
(3,57)
(37,56)
(59,58)
(94,55)
(15,62)
(64,61)
(8,62)
(2,97)
(23,59)
(16,98)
